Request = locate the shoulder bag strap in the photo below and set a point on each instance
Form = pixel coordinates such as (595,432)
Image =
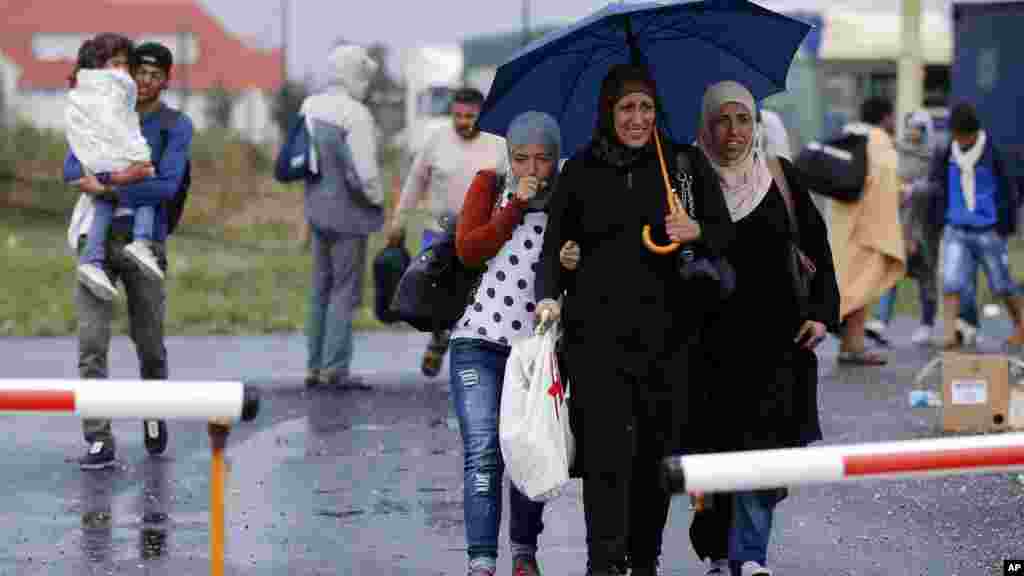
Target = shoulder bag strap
(775,167)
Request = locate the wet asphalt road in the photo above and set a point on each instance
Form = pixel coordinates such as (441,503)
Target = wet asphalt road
(370,482)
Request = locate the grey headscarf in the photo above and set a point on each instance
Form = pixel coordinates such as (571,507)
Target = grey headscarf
(534,127)
(915,158)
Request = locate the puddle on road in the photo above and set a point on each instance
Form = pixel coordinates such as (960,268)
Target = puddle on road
(442,514)
(342,514)
(387,506)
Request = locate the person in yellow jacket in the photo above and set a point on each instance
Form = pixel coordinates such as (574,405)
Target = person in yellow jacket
(867,239)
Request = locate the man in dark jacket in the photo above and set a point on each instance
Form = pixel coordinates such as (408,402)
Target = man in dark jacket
(977,207)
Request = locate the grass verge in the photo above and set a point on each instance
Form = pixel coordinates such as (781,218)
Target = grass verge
(214,286)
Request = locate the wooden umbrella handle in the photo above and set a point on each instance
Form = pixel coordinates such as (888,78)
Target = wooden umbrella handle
(673,205)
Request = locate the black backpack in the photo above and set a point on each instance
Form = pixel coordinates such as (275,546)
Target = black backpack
(836,168)
(169,117)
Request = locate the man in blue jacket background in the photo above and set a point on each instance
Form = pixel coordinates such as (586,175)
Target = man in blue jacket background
(169,134)
(977,206)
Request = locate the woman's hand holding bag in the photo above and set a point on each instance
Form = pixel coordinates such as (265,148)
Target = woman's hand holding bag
(536,441)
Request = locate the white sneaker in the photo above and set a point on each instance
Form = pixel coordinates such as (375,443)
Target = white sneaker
(968,334)
(875,329)
(751,568)
(140,252)
(922,336)
(718,568)
(96,280)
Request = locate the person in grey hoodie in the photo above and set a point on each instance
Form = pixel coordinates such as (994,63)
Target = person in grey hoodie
(343,206)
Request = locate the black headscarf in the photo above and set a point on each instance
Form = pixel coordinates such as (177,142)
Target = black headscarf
(621,80)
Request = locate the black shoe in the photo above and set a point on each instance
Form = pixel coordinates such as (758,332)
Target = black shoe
(99,456)
(345,382)
(154,434)
(621,570)
(354,383)
(312,379)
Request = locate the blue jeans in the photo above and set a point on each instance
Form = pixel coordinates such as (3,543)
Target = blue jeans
(339,262)
(144,221)
(477,374)
(752,514)
(964,250)
(969,302)
(887,303)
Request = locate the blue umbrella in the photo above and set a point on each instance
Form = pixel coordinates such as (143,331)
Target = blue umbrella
(687,46)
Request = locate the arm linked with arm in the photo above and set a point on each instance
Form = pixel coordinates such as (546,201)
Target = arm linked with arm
(551,276)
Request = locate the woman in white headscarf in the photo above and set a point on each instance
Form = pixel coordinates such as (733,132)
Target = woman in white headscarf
(761,344)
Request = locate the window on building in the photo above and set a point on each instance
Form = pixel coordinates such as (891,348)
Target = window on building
(64,47)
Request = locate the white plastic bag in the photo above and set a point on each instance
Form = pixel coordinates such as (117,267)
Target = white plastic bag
(537,444)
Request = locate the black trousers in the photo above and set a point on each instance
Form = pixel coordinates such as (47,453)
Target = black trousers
(625,506)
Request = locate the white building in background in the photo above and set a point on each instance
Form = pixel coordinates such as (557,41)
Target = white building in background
(39,41)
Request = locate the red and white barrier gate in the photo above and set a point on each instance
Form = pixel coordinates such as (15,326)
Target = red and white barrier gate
(218,403)
(762,469)
(225,402)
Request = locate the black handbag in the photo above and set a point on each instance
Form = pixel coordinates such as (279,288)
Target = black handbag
(388,267)
(801,267)
(436,287)
(714,272)
(836,168)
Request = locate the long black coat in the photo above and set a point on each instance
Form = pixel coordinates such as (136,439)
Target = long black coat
(628,310)
(754,387)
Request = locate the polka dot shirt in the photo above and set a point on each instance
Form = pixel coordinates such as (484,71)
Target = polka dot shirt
(502,311)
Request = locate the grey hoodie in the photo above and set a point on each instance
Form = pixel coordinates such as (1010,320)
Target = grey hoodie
(347,198)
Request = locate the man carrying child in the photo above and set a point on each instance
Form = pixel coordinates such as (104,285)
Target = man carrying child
(169,136)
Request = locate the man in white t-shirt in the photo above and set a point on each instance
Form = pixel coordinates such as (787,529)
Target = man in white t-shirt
(440,176)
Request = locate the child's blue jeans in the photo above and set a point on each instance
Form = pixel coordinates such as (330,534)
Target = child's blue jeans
(95,251)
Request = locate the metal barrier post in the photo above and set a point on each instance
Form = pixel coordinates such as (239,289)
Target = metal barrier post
(218,441)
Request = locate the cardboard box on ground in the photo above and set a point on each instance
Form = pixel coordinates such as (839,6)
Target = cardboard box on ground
(979,395)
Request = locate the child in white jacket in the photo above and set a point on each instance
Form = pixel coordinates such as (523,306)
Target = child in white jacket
(105,135)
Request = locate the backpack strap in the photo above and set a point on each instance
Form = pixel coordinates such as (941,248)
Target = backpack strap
(168,120)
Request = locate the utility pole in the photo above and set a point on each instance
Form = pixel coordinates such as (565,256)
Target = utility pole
(526,22)
(910,73)
(284,42)
(184,65)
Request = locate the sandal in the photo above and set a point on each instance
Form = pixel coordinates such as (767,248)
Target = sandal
(862,358)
